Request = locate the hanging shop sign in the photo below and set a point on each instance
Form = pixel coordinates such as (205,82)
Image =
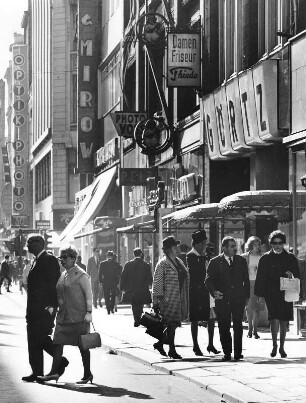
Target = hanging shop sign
(187,188)
(151,30)
(43,224)
(88,61)
(6,165)
(20,221)
(125,122)
(20,201)
(184,59)
(153,136)
(108,155)
(136,176)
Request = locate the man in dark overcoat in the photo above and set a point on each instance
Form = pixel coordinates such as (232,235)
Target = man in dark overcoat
(109,275)
(228,282)
(136,279)
(93,271)
(5,273)
(41,306)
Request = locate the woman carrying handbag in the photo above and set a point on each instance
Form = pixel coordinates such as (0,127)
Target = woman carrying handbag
(171,294)
(74,314)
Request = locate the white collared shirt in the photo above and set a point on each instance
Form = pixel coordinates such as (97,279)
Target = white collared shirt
(195,252)
(227,258)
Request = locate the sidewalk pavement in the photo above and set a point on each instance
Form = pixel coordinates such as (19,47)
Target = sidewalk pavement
(257,378)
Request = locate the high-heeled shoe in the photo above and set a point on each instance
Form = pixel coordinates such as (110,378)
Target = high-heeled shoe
(249,335)
(212,349)
(197,351)
(256,336)
(274,351)
(85,380)
(282,352)
(159,347)
(49,377)
(174,355)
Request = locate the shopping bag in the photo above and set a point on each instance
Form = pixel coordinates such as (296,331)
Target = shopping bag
(290,284)
(90,340)
(292,296)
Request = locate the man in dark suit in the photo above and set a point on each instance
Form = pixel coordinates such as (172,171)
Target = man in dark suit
(93,271)
(109,275)
(135,281)
(5,273)
(228,282)
(41,306)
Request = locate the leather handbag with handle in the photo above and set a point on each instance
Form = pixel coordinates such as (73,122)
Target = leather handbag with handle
(90,340)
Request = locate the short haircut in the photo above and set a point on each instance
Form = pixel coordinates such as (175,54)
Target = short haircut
(69,250)
(277,234)
(36,238)
(250,243)
(226,240)
(137,252)
(6,256)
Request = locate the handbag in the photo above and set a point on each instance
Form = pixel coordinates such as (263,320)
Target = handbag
(155,326)
(290,284)
(90,340)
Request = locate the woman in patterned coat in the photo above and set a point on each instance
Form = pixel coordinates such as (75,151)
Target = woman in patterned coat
(171,293)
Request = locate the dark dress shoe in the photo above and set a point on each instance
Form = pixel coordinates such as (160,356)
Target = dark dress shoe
(30,378)
(197,351)
(226,357)
(159,347)
(282,352)
(136,322)
(62,366)
(238,357)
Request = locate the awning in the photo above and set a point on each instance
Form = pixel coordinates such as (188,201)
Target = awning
(91,205)
(256,201)
(107,222)
(199,212)
(144,227)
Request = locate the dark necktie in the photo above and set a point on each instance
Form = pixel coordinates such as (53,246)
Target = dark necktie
(231,262)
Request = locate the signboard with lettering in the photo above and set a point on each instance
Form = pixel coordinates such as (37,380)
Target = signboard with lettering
(108,154)
(265,86)
(61,218)
(223,126)
(107,222)
(136,176)
(235,115)
(125,122)
(88,61)
(21,205)
(20,221)
(211,128)
(43,224)
(184,59)
(248,107)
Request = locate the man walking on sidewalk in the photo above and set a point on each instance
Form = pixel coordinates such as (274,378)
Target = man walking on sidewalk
(109,275)
(228,282)
(5,273)
(135,281)
(93,272)
(41,306)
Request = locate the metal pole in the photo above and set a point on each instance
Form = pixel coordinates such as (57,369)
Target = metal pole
(160,233)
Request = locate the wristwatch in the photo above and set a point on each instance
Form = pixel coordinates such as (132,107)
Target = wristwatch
(88,311)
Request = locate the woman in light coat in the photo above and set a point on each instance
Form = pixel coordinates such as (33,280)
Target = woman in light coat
(171,293)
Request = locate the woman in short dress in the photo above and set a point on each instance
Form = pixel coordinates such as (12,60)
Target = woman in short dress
(252,257)
(74,314)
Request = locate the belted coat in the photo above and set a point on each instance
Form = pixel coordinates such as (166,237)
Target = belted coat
(174,303)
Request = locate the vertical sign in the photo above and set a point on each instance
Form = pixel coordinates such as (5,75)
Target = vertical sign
(88,61)
(211,128)
(184,59)
(20,120)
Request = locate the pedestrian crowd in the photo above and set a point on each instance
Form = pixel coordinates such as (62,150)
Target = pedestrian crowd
(187,285)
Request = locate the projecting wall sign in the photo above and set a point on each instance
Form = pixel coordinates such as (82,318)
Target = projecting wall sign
(20,169)
(88,60)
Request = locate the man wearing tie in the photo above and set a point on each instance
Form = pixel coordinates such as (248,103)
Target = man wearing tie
(93,271)
(41,306)
(227,280)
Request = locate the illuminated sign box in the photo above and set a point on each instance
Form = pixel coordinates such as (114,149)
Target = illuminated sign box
(184,59)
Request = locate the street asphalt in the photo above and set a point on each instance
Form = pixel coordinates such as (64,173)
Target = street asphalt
(257,378)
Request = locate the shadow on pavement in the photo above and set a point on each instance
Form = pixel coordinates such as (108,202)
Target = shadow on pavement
(6,332)
(277,361)
(8,345)
(11,317)
(101,390)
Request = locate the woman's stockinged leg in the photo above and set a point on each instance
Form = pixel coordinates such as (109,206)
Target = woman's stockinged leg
(194,334)
(274,325)
(282,337)
(255,322)
(57,356)
(85,354)
(250,314)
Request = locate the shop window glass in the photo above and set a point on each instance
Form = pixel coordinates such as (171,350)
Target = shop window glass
(43,179)
(300,204)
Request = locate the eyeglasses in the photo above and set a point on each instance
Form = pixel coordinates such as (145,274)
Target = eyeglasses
(277,243)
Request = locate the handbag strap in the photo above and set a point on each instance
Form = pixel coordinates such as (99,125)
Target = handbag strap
(93,326)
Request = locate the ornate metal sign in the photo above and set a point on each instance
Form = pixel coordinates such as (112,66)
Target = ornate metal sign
(153,136)
(151,30)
